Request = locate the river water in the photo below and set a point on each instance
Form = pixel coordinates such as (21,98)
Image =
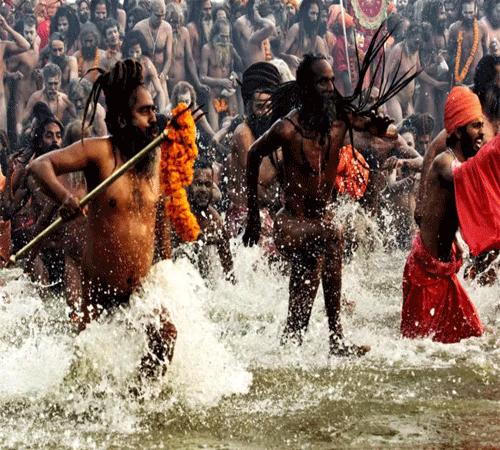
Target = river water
(231,385)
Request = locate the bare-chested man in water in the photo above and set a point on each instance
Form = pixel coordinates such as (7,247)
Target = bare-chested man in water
(219,61)
(305,230)
(22,67)
(406,56)
(8,48)
(472,47)
(121,219)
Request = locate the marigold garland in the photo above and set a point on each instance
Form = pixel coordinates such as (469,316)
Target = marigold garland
(352,172)
(459,77)
(96,64)
(178,152)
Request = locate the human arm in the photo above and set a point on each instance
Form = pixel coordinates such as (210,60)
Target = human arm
(19,44)
(46,169)
(167,52)
(224,83)
(162,231)
(292,60)
(73,68)
(443,166)
(153,74)
(376,124)
(269,141)
(192,64)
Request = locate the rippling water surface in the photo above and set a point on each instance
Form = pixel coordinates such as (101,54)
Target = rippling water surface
(231,385)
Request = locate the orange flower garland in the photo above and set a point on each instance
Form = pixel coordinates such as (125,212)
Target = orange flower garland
(459,77)
(178,152)
(352,172)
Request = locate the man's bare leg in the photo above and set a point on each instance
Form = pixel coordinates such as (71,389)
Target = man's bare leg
(331,277)
(303,287)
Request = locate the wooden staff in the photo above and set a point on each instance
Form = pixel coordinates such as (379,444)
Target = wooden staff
(113,177)
(345,42)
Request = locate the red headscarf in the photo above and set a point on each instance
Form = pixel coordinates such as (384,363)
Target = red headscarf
(462,107)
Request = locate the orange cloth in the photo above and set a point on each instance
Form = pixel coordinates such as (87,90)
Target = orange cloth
(477,196)
(294,3)
(434,303)
(335,17)
(352,172)
(462,107)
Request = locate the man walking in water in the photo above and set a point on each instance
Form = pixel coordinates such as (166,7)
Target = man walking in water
(305,230)
(123,217)
(434,302)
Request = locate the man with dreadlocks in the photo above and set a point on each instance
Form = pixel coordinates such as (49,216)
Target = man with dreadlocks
(259,81)
(305,230)
(122,218)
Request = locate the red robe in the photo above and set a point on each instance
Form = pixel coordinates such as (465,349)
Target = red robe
(477,195)
(434,303)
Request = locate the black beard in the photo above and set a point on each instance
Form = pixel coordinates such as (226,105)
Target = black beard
(310,26)
(322,29)
(89,53)
(133,140)
(258,124)
(318,115)
(60,61)
(43,150)
(441,27)
(467,145)
(467,22)
(84,18)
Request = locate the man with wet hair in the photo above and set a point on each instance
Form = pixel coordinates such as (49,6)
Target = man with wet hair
(123,217)
(305,229)
(66,23)
(259,82)
(434,303)
(83,11)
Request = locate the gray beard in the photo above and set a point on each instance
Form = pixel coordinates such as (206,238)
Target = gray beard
(206,28)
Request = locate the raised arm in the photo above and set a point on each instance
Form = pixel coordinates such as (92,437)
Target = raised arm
(19,44)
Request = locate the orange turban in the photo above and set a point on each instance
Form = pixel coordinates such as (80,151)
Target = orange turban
(335,16)
(462,107)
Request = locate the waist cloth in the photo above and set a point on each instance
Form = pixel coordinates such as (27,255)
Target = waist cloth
(434,303)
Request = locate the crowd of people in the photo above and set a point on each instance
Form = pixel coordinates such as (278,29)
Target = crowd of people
(303,107)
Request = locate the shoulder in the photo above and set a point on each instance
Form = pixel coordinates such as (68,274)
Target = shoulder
(441,162)
(483,27)
(141,24)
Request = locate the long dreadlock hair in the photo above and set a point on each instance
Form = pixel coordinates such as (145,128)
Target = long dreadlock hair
(295,94)
(118,85)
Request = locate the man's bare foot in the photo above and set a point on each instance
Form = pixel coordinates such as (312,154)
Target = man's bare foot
(341,349)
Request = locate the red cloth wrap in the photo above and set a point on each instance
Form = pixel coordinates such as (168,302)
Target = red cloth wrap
(477,196)
(434,303)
